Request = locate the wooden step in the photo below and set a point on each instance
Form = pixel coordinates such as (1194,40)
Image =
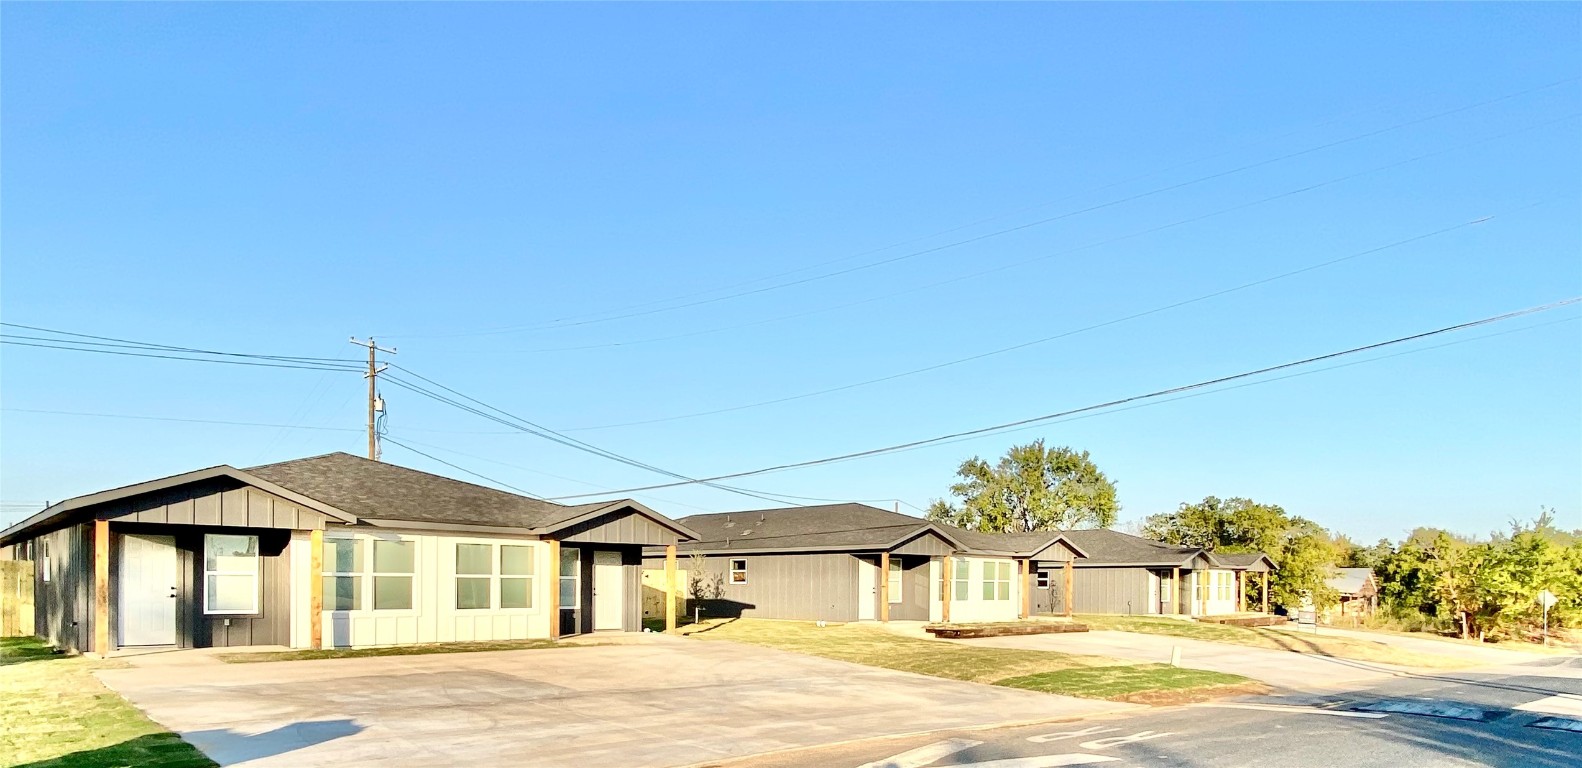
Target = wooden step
(967,631)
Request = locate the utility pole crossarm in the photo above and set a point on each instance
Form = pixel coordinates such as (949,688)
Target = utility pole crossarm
(374,369)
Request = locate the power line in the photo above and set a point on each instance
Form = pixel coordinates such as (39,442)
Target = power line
(176,419)
(259,364)
(1110,404)
(462,469)
(1054,337)
(167,347)
(588,319)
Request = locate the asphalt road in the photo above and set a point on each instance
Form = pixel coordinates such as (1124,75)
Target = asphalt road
(1488,717)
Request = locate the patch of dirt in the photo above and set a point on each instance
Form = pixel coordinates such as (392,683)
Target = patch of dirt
(1194,695)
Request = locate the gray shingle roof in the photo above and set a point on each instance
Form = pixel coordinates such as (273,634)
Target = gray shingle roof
(828,526)
(1106,547)
(378,490)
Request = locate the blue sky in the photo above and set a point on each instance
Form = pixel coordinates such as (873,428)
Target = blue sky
(474,184)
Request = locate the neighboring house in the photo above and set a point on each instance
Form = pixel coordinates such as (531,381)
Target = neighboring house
(1358,589)
(852,562)
(332,550)
(1125,574)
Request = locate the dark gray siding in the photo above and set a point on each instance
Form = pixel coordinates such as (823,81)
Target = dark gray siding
(1108,590)
(618,528)
(213,503)
(63,606)
(928,545)
(914,591)
(194,629)
(811,587)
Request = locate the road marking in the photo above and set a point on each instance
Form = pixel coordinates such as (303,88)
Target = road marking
(1119,740)
(1061,735)
(1563,704)
(1042,761)
(1443,709)
(1294,710)
(1557,724)
(917,758)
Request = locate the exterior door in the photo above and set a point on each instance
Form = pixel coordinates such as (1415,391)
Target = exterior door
(867,589)
(148,579)
(609,590)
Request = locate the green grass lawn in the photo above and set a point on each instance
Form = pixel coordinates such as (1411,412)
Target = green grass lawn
(393,650)
(1256,637)
(1049,671)
(54,714)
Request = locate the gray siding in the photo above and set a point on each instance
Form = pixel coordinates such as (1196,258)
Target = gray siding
(928,545)
(809,587)
(63,606)
(914,591)
(1107,590)
(214,503)
(618,528)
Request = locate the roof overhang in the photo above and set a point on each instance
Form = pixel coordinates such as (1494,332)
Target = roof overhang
(61,510)
(617,506)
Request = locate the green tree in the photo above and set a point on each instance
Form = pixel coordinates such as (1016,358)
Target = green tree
(1031,488)
(1303,552)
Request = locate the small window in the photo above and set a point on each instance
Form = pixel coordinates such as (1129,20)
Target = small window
(343,581)
(895,580)
(1043,579)
(570,579)
(516,576)
(46,562)
(963,576)
(996,581)
(738,571)
(394,563)
(230,574)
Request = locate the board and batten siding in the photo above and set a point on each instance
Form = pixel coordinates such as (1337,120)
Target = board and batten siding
(971,606)
(813,586)
(624,528)
(434,617)
(215,503)
(63,605)
(1112,590)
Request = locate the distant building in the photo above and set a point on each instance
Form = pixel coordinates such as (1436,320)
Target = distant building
(1359,592)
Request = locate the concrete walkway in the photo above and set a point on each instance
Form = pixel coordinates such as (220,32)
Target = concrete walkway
(666,702)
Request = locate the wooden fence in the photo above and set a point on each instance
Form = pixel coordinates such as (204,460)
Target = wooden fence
(16,598)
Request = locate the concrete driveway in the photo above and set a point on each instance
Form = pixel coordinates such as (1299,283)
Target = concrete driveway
(665,702)
(1282,669)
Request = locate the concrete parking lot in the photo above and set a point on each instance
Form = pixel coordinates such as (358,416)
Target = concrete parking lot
(662,702)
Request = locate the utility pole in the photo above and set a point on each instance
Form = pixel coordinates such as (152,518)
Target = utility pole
(374,406)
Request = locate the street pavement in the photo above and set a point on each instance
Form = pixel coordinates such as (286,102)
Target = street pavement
(1485,717)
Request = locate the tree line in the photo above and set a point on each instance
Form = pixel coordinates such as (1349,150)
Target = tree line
(1432,579)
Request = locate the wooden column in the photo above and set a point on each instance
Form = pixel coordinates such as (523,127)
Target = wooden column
(101,587)
(316,590)
(1199,585)
(884,586)
(946,581)
(1070,596)
(554,589)
(1265,591)
(1175,591)
(1027,588)
(670,587)
(1241,591)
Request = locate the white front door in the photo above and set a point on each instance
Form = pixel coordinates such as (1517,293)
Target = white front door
(867,589)
(609,590)
(147,605)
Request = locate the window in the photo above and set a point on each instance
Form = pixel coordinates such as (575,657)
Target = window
(1199,586)
(46,562)
(895,580)
(1043,579)
(1227,585)
(570,595)
(230,574)
(486,570)
(738,572)
(962,576)
(997,581)
(351,585)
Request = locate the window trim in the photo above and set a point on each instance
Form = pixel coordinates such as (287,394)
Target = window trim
(45,560)
(255,573)
(734,571)
(1042,580)
(575,577)
(1002,575)
(496,577)
(365,590)
(961,578)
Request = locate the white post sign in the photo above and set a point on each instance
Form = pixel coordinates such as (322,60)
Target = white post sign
(1547,599)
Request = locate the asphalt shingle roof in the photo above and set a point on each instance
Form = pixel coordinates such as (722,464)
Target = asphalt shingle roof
(378,490)
(827,526)
(1113,547)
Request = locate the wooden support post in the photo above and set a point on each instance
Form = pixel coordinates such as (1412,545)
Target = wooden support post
(101,587)
(1027,588)
(945,583)
(1241,591)
(554,589)
(670,587)
(1175,591)
(1070,596)
(1265,591)
(316,590)
(1198,579)
(884,586)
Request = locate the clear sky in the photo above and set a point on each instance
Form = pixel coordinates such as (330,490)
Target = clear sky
(515,196)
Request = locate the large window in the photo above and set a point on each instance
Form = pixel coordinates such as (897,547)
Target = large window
(494,576)
(895,580)
(366,572)
(230,574)
(962,577)
(570,579)
(1227,584)
(738,571)
(996,581)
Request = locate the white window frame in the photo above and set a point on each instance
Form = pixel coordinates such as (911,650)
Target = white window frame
(1001,573)
(736,571)
(208,594)
(961,578)
(1043,579)
(895,580)
(497,575)
(367,574)
(575,577)
(45,560)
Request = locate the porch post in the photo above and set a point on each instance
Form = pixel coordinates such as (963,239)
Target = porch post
(1175,590)
(316,589)
(1265,591)
(1070,596)
(670,588)
(1027,588)
(946,563)
(101,587)
(1241,591)
(884,586)
(554,589)
(1197,576)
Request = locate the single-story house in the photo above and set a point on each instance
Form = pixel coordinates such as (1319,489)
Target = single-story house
(332,550)
(853,562)
(1125,574)
(1359,592)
